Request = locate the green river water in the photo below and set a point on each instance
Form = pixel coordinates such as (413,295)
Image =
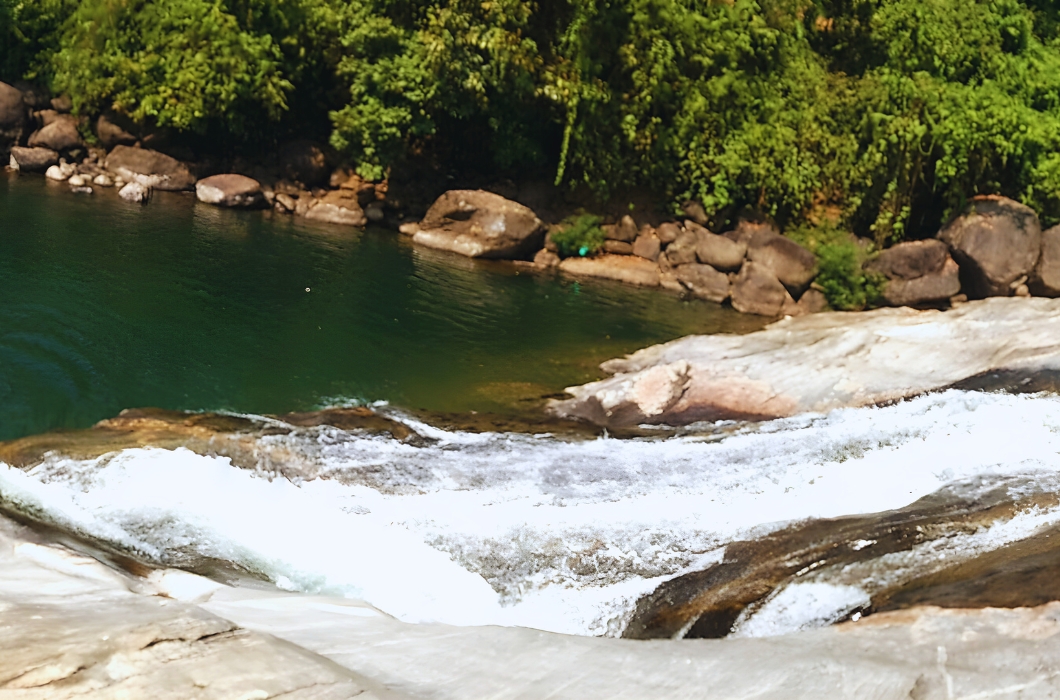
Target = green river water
(106,305)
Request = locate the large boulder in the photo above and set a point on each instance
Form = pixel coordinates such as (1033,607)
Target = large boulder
(792,264)
(703,281)
(34,160)
(338,207)
(480,224)
(918,273)
(135,192)
(625,230)
(230,190)
(59,134)
(305,162)
(647,245)
(1046,278)
(113,130)
(756,290)
(12,116)
(996,242)
(683,250)
(720,252)
(149,168)
(630,269)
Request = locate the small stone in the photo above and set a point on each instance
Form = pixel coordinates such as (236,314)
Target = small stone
(546,258)
(668,232)
(1022,291)
(56,173)
(103,180)
(77,180)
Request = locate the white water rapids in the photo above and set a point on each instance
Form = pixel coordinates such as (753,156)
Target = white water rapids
(537,531)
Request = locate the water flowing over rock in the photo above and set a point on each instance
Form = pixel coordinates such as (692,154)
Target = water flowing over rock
(996,242)
(230,190)
(820,362)
(149,168)
(480,224)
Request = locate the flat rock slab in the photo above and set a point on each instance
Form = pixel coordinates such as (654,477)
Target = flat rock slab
(818,363)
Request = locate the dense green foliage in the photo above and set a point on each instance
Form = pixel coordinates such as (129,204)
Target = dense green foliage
(579,236)
(841,258)
(889,112)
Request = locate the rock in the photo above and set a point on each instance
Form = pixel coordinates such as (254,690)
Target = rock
(756,290)
(480,224)
(46,117)
(546,258)
(683,250)
(625,230)
(720,252)
(285,202)
(12,117)
(62,104)
(792,264)
(995,242)
(695,212)
(337,207)
(1045,281)
(34,160)
(149,168)
(668,232)
(111,130)
(82,189)
(704,281)
(59,135)
(647,246)
(931,288)
(668,281)
(135,192)
(230,190)
(821,362)
(305,162)
(907,261)
(55,172)
(746,230)
(103,180)
(77,180)
(374,212)
(812,301)
(617,247)
(622,268)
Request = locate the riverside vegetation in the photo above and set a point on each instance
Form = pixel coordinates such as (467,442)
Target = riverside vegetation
(874,117)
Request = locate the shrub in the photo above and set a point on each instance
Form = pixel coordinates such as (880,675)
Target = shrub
(579,236)
(840,257)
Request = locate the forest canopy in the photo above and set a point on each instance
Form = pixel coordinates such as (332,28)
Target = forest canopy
(886,114)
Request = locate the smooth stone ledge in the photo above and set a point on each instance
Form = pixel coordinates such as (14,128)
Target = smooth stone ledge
(820,362)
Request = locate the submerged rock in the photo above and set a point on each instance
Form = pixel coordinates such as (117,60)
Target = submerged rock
(819,362)
(480,224)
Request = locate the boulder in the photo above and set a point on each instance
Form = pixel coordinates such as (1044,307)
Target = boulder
(625,230)
(792,264)
(703,281)
(60,134)
(720,252)
(112,130)
(695,211)
(103,180)
(149,168)
(668,232)
(618,247)
(929,289)
(622,268)
(338,207)
(907,261)
(12,116)
(480,224)
(284,203)
(647,246)
(230,190)
(683,250)
(756,290)
(546,258)
(812,301)
(996,242)
(58,172)
(1046,278)
(305,162)
(746,230)
(135,192)
(34,160)
(62,104)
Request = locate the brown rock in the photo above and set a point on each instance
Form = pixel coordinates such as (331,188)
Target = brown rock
(931,288)
(813,301)
(668,232)
(907,261)
(111,130)
(546,258)
(695,211)
(62,104)
(683,250)
(668,280)
(720,252)
(12,107)
(59,135)
(149,168)
(305,162)
(617,247)
(338,207)
(622,268)
(35,160)
(756,290)
(792,264)
(284,202)
(625,230)
(1046,278)
(996,241)
(746,230)
(704,282)
(647,246)
(480,224)
(230,190)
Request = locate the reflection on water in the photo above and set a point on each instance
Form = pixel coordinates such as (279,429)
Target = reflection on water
(105,306)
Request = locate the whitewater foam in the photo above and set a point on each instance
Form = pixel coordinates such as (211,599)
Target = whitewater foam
(494,528)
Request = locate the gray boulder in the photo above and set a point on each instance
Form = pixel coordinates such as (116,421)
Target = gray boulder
(996,242)
(929,289)
(704,282)
(149,168)
(792,264)
(1045,281)
(60,134)
(230,190)
(910,260)
(113,130)
(668,232)
(34,160)
(647,245)
(618,247)
(625,230)
(720,252)
(480,224)
(756,290)
(683,250)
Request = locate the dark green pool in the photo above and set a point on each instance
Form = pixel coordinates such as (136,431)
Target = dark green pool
(106,305)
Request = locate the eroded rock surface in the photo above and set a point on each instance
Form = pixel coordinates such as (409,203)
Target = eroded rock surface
(480,224)
(819,362)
